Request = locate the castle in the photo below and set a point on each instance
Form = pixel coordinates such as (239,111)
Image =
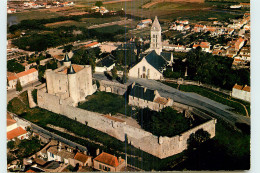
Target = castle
(70,82)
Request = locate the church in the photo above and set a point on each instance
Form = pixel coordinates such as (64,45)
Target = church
(154,61)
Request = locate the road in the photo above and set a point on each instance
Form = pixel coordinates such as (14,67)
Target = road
(13,93)
(191,99)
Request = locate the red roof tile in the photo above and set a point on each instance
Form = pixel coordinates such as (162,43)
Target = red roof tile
(246,88)
(107,159)
(9,120)
(15,133)
(21,74)
(81,157)
(239,87)
(75,67)
(91,44)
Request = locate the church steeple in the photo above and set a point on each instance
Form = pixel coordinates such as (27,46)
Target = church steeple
(156,38)
(156,25)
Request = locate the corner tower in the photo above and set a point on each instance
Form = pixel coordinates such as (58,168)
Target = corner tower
(156,40)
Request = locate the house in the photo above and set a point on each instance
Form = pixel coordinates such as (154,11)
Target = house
(13,130)
(187,27)
(245,5)
(205,46)
(143,97)
(239,43)
(106,64)
(92,45)
(24,77)
(82,159)
(108,162)
(11,10)
(180,27)
(241,92)
(198,28)
(235,6)
(144,23)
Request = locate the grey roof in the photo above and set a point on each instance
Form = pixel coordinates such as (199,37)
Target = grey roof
(138,91)
(107,61)
(66,59)
(166,55)
(156,25)
(71,70)
(157,61)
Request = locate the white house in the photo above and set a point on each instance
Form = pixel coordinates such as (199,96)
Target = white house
(13,130)
(25,77)
(241,92)
(106,64)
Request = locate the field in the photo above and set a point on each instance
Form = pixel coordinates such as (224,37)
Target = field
(64,23)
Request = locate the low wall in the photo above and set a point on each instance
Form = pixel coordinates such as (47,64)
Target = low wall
(113,87)
(161,147)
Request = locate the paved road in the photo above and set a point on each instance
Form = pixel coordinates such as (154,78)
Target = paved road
(191,99)
(12,93)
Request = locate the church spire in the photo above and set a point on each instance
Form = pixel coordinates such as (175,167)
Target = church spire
(156,25)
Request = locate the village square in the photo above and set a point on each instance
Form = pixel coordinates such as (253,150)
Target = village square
(127,93)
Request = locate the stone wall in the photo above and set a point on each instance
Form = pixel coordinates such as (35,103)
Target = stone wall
(161,147)
(113,87)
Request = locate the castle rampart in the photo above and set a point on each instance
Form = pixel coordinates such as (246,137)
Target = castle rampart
(161,147)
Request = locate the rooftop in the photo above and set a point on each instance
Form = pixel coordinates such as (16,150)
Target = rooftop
(157,61)
(15,133)
(108,159)
(21,74)
(81,157)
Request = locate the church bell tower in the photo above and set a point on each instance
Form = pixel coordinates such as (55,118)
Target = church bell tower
(156,40)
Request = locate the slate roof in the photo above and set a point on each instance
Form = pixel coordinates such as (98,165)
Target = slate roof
(107,61)
(166,55)
(138,91)
(66,59)
(157,61)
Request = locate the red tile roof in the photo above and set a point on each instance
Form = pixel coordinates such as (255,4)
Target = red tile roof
(161,100)
(246,88)
(75,67)
(30,170)
(91,44)
(239,87)
(21,74)
(81,157)
(15,133)
(107,159)
(9,120)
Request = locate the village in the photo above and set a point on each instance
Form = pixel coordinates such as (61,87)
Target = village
(105,77)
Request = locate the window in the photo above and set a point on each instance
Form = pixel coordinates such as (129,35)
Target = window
(153,36)
(144,69)
(108,169)
(100,166)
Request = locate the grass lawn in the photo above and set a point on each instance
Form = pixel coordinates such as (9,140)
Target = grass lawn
(105,103)
(216,96)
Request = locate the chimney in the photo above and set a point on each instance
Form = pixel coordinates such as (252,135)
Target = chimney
(97,152)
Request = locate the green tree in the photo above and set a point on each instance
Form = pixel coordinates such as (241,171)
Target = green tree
(14,66)
(10,145)
(114,72)
(99,3)
(197,138)
(19,86)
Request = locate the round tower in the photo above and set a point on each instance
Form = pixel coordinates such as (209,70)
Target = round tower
(73,84)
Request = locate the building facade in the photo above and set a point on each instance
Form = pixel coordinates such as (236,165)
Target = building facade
(70,82)
(241,92)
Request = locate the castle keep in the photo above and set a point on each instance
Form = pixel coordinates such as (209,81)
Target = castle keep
(70,82)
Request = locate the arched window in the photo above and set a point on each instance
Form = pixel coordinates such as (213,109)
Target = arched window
(144,69)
